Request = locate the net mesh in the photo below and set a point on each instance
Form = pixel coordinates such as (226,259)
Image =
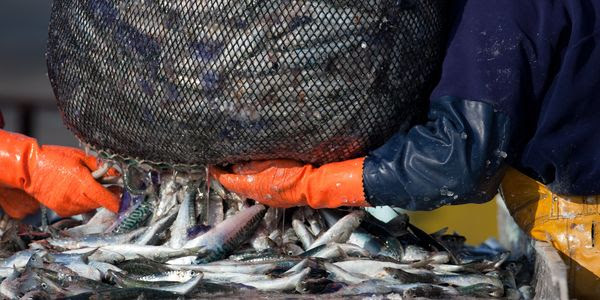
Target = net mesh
(220,81)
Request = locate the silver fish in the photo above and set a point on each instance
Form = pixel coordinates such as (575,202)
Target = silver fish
(340,232)
(160,253)
(186,218)
(22,258)
(179,288)
(98,224)
(227,235)
(280,284)
(303,234)
(178,276)
(95,240)
(151,235)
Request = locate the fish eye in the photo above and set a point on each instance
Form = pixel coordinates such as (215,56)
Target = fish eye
(44,285)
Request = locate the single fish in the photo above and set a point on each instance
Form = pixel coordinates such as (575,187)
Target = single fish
(137,217)
(216,211)
(344,276)
(245,268)
(302,233)
(95,240)
(287,283)
(175,287)
(227,235)
(142,267)
(174,276)
(314,219)
(236,277)
(481,290)
(159,253)
(186,218)
(123,294)
(22,258)
(340,232)
(455,280)
(66,258)
(98,224)
(152,234)
(167,196)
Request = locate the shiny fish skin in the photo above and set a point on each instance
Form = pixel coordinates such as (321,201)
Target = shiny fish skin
(227,235)
(181,288)
(151,235)
(303,234)
(255,248)
(340,232)
(136,218)
(280,284)
(186,218)
(95,240)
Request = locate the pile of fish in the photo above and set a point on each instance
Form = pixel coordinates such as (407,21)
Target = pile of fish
(173,239)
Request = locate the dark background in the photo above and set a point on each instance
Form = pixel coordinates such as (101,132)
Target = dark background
(26,98)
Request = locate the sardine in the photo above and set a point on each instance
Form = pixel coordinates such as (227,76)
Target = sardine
(95,240)
(160,253)
(177,287)
(137,217)
(303,234)
(98,224)
(340,232)
(280,284)
(151,235)
(186,218)
(227,235)
(174,276)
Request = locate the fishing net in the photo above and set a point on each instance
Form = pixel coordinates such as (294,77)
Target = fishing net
(220,81)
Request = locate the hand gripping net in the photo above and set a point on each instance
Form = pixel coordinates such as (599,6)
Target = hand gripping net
(209,82)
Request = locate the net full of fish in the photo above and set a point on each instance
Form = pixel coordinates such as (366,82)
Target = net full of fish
(174,237)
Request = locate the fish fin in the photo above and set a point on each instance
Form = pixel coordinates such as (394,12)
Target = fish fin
(421,263)
(439,233)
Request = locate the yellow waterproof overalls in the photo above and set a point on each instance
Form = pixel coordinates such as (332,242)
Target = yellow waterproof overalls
(570,223)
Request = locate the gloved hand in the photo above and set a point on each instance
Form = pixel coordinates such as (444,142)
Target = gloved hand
(17,204)
(285,183)
(58,177)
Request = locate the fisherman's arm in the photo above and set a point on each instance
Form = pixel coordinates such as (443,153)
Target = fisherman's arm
(492,68)
(58,177)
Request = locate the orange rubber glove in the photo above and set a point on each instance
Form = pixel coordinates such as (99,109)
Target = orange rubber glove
(58,177)
(17,203)
(285,183)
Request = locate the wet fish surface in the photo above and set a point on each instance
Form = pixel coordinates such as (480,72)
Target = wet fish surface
(159,250)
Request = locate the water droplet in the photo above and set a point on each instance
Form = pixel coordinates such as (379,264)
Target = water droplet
(250,178)
(487,163)
(500,153)
(444,191)
(338,184)
(455,197)
(464,136)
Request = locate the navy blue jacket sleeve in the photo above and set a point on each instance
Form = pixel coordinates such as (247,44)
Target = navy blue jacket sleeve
(498,60)
(457,157)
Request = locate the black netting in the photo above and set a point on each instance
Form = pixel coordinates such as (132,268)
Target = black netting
(197,82)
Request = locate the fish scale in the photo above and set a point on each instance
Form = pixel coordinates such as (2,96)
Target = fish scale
(136,218)
(384,260)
